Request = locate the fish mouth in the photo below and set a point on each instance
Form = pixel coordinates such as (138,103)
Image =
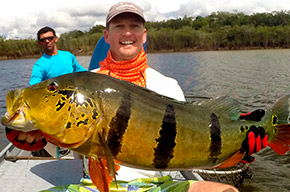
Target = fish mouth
(18,115)
(8,120)
(17,120)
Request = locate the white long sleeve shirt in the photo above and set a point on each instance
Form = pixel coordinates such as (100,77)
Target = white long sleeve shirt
(161,84)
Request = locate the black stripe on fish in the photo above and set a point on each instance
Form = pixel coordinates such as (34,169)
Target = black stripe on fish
(59,105)
(243,129)
(90,102)
(46,98)
(95,114)
(119,124)
(85,122)
(66,93)
(166,142)
(68,125)
(216,140)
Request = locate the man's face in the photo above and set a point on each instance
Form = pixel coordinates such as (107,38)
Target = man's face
(48,41)
(126,35)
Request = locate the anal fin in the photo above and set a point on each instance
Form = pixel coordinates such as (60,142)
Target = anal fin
(232,161)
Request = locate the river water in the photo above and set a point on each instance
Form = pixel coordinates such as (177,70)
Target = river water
(256,78)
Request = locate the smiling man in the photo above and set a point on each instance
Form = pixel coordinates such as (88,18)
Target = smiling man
(125,32)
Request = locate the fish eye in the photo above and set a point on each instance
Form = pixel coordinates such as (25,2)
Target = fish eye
(52,86)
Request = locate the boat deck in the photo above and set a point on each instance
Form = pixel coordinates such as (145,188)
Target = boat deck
(20,174)
(37,175)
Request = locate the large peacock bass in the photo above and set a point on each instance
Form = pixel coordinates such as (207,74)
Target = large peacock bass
(109,119)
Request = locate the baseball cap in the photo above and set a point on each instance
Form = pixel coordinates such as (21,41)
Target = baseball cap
(124,7)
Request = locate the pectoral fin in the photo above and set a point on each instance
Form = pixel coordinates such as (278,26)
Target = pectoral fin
(109,156)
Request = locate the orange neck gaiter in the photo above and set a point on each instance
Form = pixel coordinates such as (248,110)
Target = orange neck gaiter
(131,70)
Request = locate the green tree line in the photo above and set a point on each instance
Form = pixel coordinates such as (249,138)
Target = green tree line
(219,30)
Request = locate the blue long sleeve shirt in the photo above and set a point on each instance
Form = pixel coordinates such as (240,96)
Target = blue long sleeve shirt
(50,66)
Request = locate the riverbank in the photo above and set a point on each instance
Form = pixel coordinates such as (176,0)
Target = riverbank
(157,51)
(216,49)
(39,55)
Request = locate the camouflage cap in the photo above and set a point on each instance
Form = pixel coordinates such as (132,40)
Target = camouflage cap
(124,7)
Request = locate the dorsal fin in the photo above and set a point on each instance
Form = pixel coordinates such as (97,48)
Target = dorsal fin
(224,105)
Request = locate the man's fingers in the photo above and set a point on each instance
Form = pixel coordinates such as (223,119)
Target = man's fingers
(31,137)
(22,136)
(38,136)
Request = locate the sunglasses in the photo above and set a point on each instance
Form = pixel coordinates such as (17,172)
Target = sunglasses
(47,38)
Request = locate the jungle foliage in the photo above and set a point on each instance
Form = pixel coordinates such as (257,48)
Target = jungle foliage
(220,30)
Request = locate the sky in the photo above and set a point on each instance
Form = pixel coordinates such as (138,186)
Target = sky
(21,19)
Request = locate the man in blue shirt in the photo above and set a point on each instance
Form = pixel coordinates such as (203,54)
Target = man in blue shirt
(53,62)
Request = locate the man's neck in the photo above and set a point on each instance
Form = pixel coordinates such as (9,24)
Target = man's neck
(54,52)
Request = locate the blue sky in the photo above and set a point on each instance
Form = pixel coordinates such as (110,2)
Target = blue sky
(22,19)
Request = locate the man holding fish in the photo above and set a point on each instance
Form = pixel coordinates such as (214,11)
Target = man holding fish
(125,32)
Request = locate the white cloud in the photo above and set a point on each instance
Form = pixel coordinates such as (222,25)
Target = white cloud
(22,19)
(164,6)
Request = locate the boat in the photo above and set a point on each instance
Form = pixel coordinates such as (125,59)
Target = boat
(20,171)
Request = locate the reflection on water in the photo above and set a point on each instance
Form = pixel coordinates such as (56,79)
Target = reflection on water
(255,78)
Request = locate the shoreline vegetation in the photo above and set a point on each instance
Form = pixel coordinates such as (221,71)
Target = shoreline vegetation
(218,31)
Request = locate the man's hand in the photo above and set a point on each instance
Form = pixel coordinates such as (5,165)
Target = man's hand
(209,186)
(255,141)
(30,141)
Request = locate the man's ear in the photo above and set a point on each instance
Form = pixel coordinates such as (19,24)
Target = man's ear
(106,36)
(145,36)
(56,39)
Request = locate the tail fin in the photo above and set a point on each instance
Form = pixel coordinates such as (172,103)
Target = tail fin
(280,139)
